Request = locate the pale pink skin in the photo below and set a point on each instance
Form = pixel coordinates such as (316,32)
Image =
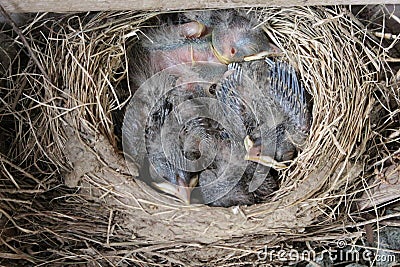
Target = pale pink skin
(191,53)
(162,59)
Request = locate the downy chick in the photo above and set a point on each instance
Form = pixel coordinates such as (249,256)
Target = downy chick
(155,138)
(274,109)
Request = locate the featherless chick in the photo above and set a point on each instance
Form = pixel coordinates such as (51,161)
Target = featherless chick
(204,36)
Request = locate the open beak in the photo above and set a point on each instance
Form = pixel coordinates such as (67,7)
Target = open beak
(181,191)
(254,154)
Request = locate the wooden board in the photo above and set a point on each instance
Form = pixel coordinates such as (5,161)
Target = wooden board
(19,6)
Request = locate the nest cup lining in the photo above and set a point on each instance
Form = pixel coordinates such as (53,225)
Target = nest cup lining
(75,131)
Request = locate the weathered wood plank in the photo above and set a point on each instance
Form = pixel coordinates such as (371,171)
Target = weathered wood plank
(97,5)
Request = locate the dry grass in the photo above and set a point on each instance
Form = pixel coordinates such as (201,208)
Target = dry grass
(60,127)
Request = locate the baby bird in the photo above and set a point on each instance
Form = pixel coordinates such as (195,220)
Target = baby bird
(142,141)
(235,37)
(291,111)
(161,124)
(208,36)
(280,102)
(273,106)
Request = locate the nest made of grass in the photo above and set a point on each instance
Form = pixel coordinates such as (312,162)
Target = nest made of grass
(65,136)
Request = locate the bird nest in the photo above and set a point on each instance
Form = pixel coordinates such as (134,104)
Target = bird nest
(69,197)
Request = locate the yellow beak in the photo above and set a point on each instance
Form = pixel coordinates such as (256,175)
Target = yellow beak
(181,191)
(261,159)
